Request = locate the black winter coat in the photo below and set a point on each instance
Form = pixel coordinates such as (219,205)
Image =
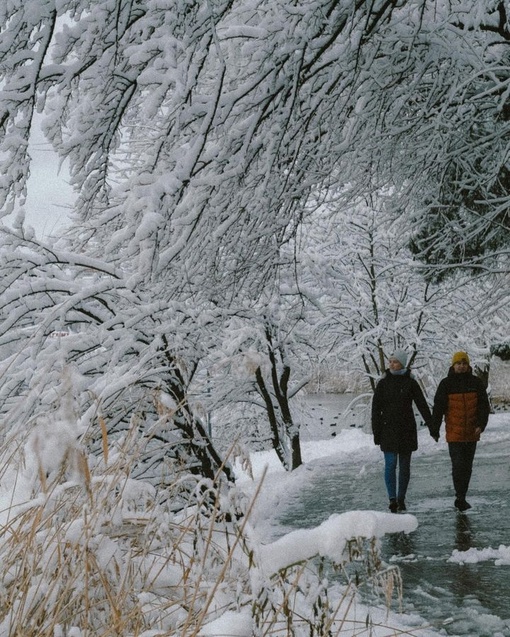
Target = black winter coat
(393,421)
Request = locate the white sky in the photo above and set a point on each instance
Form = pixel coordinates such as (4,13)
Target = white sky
(49,193)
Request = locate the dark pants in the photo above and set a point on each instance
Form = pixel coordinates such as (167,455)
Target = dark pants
(462,455)
(391,460)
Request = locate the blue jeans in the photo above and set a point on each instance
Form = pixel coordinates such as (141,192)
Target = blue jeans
(462,455)
(391,461)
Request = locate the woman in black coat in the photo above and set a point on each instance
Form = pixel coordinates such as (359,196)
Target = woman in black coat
(394,425)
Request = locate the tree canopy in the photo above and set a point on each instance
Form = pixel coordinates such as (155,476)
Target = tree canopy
(201,136)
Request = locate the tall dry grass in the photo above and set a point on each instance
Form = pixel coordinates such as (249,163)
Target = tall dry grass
(89,552)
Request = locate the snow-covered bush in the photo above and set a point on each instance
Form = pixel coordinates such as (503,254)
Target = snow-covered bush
(88,551)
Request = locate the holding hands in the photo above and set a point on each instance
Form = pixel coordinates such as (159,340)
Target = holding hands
(433,431)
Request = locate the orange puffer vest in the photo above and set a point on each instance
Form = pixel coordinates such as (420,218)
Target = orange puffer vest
(461,418)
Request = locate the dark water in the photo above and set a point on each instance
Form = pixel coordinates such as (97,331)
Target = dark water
(458,599)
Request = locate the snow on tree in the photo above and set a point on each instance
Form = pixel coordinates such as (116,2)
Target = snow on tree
(192,134)
(197,134)
(436,107)
(65,311)
(367,295)
(200,136)
(258,366)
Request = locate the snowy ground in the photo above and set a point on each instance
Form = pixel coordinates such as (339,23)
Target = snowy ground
(346,445)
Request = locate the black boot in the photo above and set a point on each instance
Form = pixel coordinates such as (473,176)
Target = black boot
(401,505)
(393,505)
(461,504)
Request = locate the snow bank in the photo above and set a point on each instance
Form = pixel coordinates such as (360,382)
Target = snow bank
(501,556)
(329,539)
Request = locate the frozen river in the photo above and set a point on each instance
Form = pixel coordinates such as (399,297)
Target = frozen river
(457,598)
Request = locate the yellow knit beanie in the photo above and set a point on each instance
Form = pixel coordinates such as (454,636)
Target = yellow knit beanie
(460,356)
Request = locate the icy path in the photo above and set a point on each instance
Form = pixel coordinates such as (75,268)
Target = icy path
(455,567)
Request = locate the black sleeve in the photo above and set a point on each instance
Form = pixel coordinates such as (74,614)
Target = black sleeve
(439,409)
(484,407)
(421,403)
(376,414)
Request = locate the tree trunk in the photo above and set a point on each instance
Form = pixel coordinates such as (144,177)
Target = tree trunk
(283,430)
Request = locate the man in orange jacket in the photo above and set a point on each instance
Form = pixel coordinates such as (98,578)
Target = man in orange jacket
(462,399)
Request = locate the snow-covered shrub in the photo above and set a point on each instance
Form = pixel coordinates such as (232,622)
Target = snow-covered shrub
(93,552)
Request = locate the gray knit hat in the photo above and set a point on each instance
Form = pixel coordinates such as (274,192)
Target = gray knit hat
(401,356)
